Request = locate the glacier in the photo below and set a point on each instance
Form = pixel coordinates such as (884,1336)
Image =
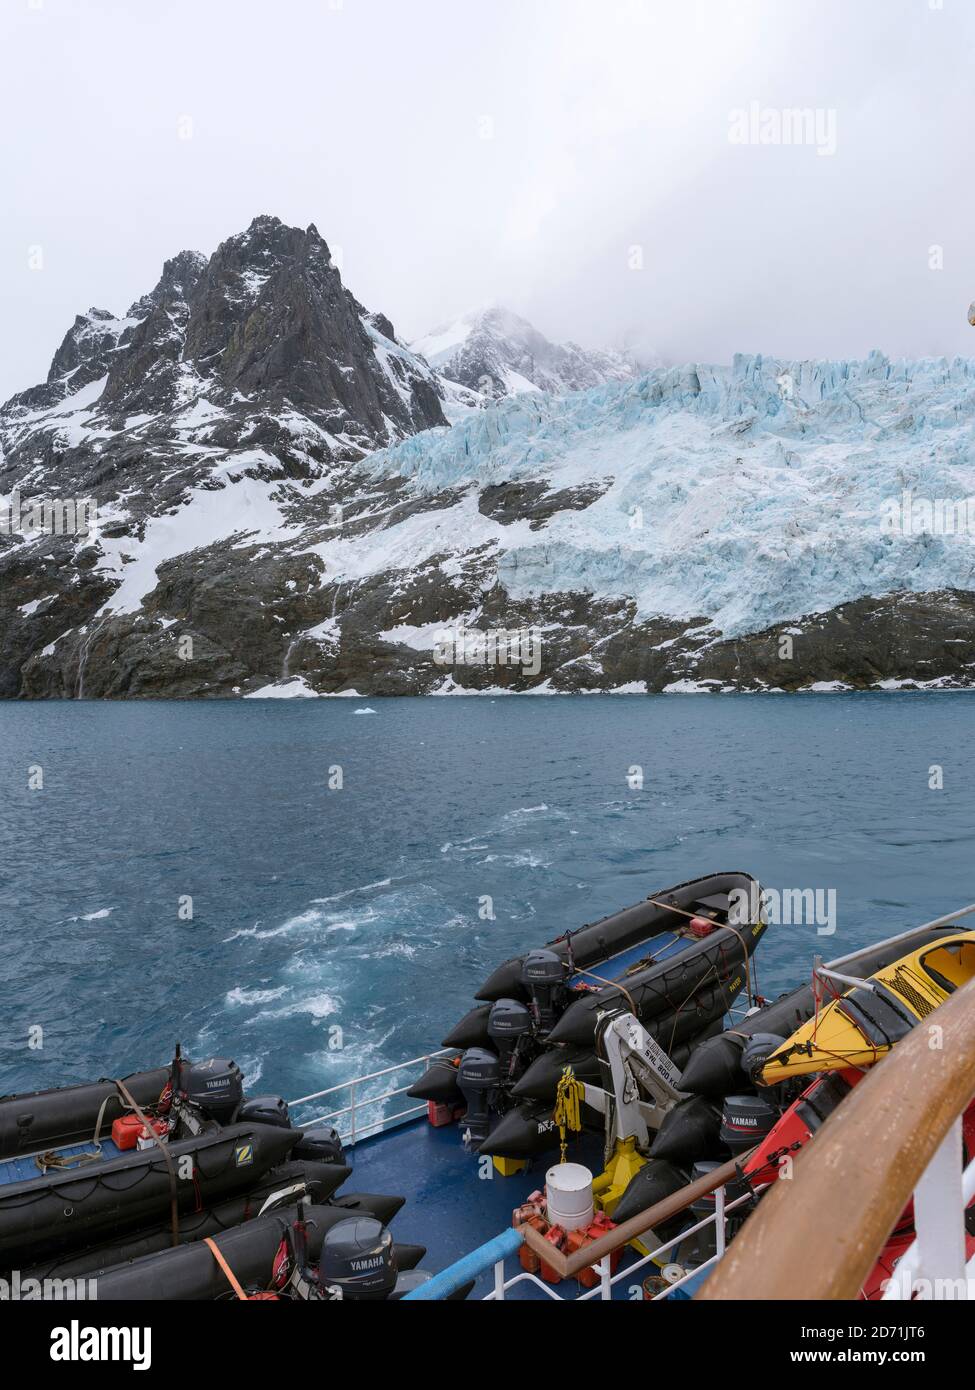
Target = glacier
(745,495)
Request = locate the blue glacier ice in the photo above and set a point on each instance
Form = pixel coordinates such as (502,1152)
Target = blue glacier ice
(746,495)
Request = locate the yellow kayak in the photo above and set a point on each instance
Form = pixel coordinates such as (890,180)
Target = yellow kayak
(862,1025)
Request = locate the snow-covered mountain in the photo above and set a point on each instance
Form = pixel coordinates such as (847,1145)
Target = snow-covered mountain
(284,509)
(495,352)
(261,344)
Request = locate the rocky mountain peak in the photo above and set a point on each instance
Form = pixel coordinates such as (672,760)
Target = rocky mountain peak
(180,277)
(270,315)
(268,243)
(498,353)
(264,324)
(257,352)
(90,336)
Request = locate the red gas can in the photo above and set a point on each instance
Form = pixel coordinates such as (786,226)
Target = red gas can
(126,1131)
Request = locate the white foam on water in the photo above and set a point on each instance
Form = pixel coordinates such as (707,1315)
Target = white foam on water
(239,995)
(350,892)
(318,1006)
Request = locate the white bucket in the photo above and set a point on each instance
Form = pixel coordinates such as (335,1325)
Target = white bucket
(568,1191)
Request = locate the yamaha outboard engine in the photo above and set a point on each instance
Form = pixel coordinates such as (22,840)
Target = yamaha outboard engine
(746,1121)
(215,1087)
(480,1083)
(357,1260)
(545,976)
(265,1110)
(508,1024)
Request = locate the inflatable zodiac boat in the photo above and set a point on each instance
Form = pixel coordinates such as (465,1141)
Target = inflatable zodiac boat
(97,1171)
(760,1098)
(311,1253)
(677,960)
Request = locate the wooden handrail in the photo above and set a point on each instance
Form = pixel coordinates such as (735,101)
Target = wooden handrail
(567,1266)
(818,1235)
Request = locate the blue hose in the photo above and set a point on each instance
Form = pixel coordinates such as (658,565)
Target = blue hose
(467,1268)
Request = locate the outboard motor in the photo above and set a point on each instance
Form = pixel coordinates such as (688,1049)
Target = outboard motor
(545,976)
(758,1050)
(265,1110)
(480,1084)
(746,1121)
(509,1023)
(323,1144)
(357,1260)
(214,1087)
(409,1280)
(702,1246)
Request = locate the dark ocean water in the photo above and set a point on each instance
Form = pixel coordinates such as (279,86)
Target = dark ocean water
(359,908)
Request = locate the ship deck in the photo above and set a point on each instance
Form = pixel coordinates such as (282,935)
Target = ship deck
(452,1210)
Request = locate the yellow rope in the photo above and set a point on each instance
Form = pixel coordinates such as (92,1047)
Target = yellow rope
(568,1100)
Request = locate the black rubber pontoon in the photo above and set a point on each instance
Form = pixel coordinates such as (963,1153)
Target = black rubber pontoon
(68,1210)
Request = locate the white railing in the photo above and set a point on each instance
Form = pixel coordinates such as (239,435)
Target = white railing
(607,1280)
(934,1266)
(358,1103)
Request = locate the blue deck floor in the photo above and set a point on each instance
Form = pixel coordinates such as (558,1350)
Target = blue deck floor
(451,1210)
(660,947)
(26,1169)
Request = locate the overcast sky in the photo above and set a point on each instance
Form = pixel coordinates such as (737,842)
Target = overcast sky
(532,152)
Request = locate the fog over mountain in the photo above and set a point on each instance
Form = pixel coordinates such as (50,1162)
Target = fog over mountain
(579,169)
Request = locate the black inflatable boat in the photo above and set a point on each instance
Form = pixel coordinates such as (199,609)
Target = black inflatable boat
(677,960)
(83,1165)
(318,1181)
(62,1211)
(729,1110)
(52,1119)
(307,1253)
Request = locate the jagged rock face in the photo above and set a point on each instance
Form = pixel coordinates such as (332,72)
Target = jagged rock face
(282,511)
(495,352)
(86,342)
(85,356)
(270,317)
(267,318)
(146,377)
(260,344)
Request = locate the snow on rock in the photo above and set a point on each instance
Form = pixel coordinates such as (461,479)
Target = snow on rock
(29,609)
(295,688)
(414,541)
(282,481)
(497,353)
(329,632)
(246,510)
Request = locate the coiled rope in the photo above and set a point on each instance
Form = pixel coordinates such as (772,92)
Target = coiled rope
(568,1102)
